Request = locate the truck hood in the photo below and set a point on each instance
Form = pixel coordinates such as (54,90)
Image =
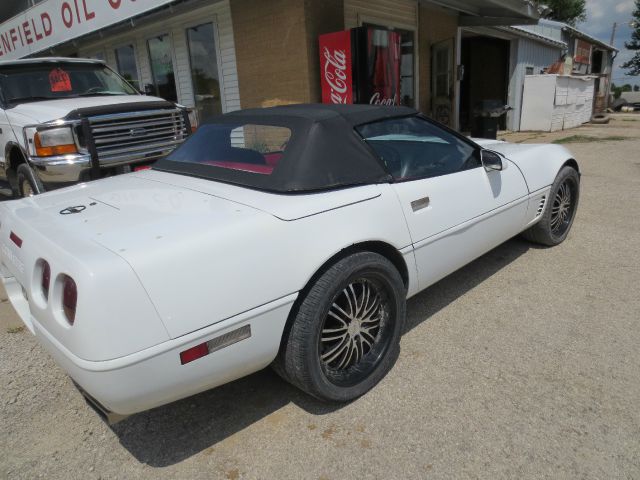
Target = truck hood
(49,110)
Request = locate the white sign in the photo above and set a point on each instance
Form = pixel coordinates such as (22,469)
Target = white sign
(52,22)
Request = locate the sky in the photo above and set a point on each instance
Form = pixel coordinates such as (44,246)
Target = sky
(601,14)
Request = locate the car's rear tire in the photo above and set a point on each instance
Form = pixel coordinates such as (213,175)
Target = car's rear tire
(345,335)
(28,183)
(560,211)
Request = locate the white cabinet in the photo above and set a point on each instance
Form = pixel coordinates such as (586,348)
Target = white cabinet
(556,102)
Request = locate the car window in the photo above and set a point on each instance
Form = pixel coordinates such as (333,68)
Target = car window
(413,148)
(247,148)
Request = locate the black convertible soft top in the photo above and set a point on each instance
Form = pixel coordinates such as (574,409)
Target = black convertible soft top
(323,152)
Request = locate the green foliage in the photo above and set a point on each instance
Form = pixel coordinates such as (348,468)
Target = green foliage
(633,66)
(618,91)
(567,11)
(588,139)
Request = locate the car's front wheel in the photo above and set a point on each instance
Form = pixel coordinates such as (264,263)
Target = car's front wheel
(346,332)
(560,211)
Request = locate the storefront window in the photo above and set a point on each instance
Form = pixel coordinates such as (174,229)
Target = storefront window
(204,71)
(126,61)
(407,63)
(164,80)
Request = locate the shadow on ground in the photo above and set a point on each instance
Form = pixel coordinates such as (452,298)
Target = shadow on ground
(172,433)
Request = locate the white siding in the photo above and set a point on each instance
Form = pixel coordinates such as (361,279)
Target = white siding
(528,53)
(218,13)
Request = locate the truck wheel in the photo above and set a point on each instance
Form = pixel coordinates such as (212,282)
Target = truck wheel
(345,336)
(28,183)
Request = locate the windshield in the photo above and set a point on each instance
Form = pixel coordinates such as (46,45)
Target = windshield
(26,82)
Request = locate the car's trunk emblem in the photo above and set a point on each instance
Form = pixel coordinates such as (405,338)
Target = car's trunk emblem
(72,210)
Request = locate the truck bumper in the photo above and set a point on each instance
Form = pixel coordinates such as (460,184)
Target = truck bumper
(63,170)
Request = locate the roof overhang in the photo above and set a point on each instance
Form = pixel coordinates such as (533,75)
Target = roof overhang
(492,12)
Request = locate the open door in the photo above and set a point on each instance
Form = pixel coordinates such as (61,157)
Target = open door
(442,82)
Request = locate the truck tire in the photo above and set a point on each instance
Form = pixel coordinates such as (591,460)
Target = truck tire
(28,182)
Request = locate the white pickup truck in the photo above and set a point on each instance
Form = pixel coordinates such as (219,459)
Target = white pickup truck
(65,120)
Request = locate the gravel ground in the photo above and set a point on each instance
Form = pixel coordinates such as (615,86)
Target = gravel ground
(523,364)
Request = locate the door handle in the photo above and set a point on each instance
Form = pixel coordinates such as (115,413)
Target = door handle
(420,203)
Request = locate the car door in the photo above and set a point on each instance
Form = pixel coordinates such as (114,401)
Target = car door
(455,209)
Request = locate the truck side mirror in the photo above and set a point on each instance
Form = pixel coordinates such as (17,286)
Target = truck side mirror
(148,89)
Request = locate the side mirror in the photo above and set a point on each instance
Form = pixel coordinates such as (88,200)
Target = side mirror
(492,160)
(148,89)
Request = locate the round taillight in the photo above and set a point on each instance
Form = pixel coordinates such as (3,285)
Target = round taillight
(46,279)
(69,298)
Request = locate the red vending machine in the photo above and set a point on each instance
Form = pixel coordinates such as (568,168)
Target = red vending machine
(361,65)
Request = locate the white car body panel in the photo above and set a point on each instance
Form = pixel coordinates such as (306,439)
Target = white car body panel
(98,274)
(473,208)
(278,205)
(539,163)
(184,260)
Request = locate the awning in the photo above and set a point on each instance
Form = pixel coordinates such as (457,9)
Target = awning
(52,22)
(492,12)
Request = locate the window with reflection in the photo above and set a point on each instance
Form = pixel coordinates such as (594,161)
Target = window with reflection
(204,71)
(164,79)
(413,148)
(127,65)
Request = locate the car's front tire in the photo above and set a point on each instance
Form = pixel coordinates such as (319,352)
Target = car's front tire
(560,211)
(345,335)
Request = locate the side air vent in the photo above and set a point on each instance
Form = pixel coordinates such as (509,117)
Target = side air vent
(543,200)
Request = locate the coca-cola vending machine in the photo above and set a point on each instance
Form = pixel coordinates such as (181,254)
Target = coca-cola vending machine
(361,65)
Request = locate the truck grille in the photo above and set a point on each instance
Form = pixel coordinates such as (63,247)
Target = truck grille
(130,136)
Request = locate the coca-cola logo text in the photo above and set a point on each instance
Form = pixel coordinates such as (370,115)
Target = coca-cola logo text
(335,73)
(376,99)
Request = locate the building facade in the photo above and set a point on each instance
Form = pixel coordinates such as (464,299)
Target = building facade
(216,56)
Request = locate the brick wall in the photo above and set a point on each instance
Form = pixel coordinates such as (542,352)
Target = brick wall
(277,48)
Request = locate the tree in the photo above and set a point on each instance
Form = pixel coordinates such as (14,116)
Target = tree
(633,66)
(567,11)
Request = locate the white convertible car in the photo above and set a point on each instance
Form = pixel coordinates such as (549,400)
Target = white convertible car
(289,236)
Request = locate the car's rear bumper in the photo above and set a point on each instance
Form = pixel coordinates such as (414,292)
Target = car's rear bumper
(155,376)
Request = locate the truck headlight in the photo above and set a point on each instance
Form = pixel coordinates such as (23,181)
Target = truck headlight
(50,142)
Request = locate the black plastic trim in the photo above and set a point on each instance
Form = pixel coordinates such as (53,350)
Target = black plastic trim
(80,113)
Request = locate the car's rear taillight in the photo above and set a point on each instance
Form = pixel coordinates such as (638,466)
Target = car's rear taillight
(69,298)
(46,279)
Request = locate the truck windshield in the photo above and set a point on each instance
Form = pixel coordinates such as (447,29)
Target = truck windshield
(20,83)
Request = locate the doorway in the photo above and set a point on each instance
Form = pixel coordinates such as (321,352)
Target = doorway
(442,82)
(486,75)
